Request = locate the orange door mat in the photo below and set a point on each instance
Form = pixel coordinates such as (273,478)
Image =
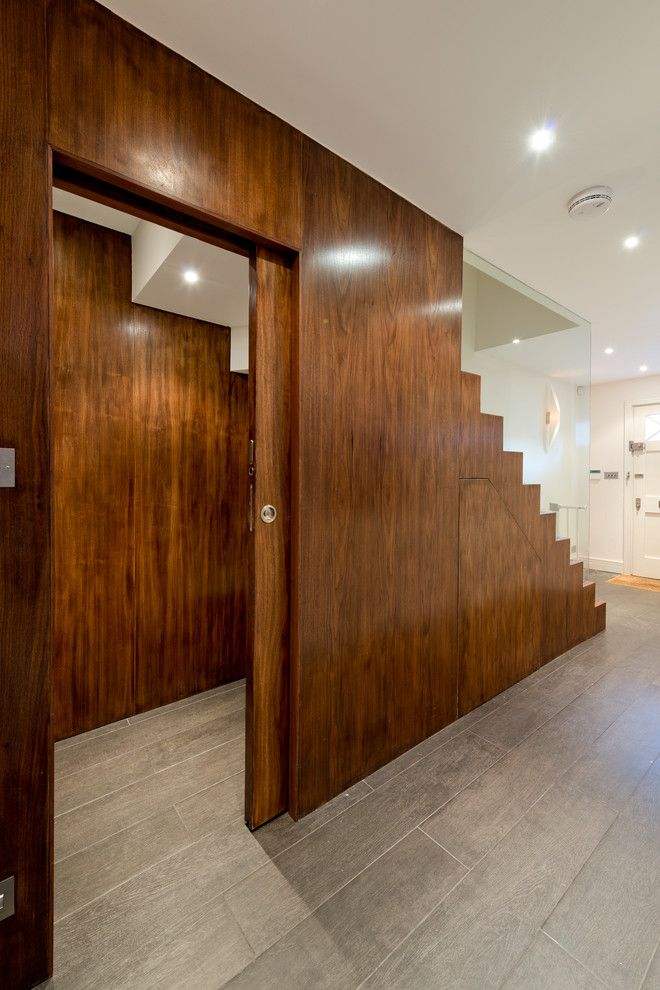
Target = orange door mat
(647,584)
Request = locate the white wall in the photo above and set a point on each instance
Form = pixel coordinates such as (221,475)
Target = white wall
(607,454)
(520,396)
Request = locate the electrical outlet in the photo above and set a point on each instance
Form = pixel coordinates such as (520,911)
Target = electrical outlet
(6,898)
(611,475)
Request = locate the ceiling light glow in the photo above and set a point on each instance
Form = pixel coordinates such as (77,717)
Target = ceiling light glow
(631,242)
(541,139)
(190,276)
(516,340)
(609,350)
(643,367)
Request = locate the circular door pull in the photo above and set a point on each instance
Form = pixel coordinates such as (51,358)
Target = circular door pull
(268,513)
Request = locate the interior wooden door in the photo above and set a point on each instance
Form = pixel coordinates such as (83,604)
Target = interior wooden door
(273,284)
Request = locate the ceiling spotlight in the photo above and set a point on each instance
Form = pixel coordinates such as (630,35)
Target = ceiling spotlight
(190,276)
(609,350)
(516,340)
(631,242)
(541,139)
(643,367)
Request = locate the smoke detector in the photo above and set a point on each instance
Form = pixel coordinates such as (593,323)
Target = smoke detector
(590,202)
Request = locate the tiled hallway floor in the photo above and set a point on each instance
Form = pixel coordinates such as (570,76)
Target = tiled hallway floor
(518,848)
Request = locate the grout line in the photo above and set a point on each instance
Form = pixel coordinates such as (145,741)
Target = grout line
(444,848)
(158,862)
(158,740)
(147,776)
(194,699)
(574,958)
(648,968)
(152,814)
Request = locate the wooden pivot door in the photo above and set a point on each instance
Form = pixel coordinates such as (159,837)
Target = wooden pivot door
(273,311)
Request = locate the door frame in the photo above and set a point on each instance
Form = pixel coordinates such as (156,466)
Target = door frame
(273,330)
(628,467)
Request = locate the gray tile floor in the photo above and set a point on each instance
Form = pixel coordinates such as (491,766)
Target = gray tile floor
(518,848)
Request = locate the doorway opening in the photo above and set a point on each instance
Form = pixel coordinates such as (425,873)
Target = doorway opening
(171,346)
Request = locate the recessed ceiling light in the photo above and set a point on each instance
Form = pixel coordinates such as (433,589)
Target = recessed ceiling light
(643,367)
(190,276)
(631,242)
(609,350)
(541,139)
(516,340)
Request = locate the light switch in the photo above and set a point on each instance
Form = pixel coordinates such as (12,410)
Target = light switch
(7,467)
(6,898)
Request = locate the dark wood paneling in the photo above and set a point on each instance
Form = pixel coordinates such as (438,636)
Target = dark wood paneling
(567,606)
(122,101)
(190,609)
(150,534)
(378,396)
(25,763)
(273,311)
(93,427)
(499,598)
(379,432)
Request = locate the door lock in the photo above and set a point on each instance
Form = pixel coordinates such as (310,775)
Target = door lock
(638,503)
(268,513)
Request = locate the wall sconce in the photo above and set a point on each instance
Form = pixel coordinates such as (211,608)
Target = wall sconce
(552,417)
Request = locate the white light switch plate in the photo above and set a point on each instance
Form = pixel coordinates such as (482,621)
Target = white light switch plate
(7,467)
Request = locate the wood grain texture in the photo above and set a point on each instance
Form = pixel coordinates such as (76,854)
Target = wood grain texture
(149,428)
(378,495)
(132,106)
(499,598)
(273,311)
(93,427)
(190,532)
(567,609)
(25,765)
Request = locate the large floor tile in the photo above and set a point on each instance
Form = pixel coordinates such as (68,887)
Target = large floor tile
(479,932)
(346,938)
(478,818)
(613,766)
(93,944)
(545,966)
(133,735)
(609,919)
(86,875)
(294,884)
(93,782)
(90,823)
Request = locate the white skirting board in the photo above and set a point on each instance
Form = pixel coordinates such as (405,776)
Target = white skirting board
(613,566)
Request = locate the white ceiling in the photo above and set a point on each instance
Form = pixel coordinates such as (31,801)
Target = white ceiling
(220,296)
(437,97)
(159,261)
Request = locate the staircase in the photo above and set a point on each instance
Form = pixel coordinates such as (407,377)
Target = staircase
(522,601)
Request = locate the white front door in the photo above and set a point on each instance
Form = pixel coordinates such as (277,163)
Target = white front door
(646,491)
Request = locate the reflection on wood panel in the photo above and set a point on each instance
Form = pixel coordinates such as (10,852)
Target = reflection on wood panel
(150,432)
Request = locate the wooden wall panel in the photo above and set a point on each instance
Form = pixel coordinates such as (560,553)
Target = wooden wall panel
(25,761)
(93,427)
(190,609)
(378,493)
(500,598)
(273,312)
(130,105)
(150,531)
(377,403)
(567,612)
